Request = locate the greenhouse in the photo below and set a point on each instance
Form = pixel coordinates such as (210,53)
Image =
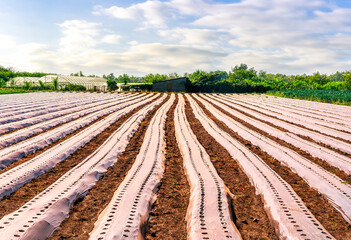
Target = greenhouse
(91,83)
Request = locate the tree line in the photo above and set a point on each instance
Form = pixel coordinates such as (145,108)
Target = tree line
(240,78)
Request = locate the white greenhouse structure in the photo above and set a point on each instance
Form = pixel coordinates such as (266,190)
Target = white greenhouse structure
(91,83)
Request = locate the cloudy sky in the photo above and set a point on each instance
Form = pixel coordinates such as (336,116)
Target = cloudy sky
(166,36)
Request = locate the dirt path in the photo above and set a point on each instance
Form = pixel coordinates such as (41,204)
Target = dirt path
(168,215)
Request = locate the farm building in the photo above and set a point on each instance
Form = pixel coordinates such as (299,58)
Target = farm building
(171,85)
(91,83)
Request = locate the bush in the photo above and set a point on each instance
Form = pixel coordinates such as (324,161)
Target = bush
(347,79)
(112,85)
(27,85)
(125,88)
(74,87)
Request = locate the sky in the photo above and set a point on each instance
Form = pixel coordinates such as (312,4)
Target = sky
(166,36)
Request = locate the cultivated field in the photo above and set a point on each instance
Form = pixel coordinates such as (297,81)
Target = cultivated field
(173,166)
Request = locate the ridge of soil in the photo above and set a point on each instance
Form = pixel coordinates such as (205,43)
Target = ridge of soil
(336,171)
(17,199)
(301,126)
(286,130)
(85,212)
(40,151)
(168,216)
(250,216)
(57,126)
(323,211)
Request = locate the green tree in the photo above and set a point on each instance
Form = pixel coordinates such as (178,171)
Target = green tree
(347,80)
(55,83)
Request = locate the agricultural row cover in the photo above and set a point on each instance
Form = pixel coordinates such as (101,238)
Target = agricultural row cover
(41,132)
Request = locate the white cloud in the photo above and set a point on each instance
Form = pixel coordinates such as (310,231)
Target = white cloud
(150,13)
(288,36)
(193,36)
(111,39)
(78,35)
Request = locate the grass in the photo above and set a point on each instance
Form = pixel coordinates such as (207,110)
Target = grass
(12,91)
(342,97)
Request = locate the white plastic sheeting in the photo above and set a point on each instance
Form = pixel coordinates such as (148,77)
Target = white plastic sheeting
(318,137)
(208,215)
(128,211)
(317,106)
(326,183)
(49,108)
(41,216)
(340,161)
(297,116)
(302,110)
(37,119)
(286,211)
(11,138)
(305,123)
(13,179)
(15,152)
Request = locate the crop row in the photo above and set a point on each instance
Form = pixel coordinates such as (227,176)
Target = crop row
(297,134)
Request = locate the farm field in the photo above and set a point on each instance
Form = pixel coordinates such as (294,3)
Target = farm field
(173,166)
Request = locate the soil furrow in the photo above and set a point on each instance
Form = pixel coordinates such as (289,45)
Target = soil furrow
(168,216)
(40,151)
(27,192)
(85,213)
(301,126)
(250,216)
(285,130)
(56,126)
(341,174)
(324,212)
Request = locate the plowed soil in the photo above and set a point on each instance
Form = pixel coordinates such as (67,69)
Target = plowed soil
(85,213)
(338,172)
(324,212)
(168,215)
(11,203)
(250,217)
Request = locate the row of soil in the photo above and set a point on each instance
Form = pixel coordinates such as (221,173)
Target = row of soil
(168,216)
(325,213)
(286,130)
(57,126)
(40,151)
(14,201)
(341,174)
(250,216)
(85,213)
(302,126)
(15,130)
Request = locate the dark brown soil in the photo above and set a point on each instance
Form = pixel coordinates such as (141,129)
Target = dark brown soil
(11,203)
(325,213)
(85,213)
(168,216)
(341,174)
(250,216)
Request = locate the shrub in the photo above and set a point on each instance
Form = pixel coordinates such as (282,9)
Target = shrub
(74,87)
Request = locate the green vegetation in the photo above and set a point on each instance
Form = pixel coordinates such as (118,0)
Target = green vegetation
(74,87)
(11,91)
(240,79)
(8,73)
(330,96)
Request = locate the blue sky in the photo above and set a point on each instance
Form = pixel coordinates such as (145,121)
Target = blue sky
(166,36)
